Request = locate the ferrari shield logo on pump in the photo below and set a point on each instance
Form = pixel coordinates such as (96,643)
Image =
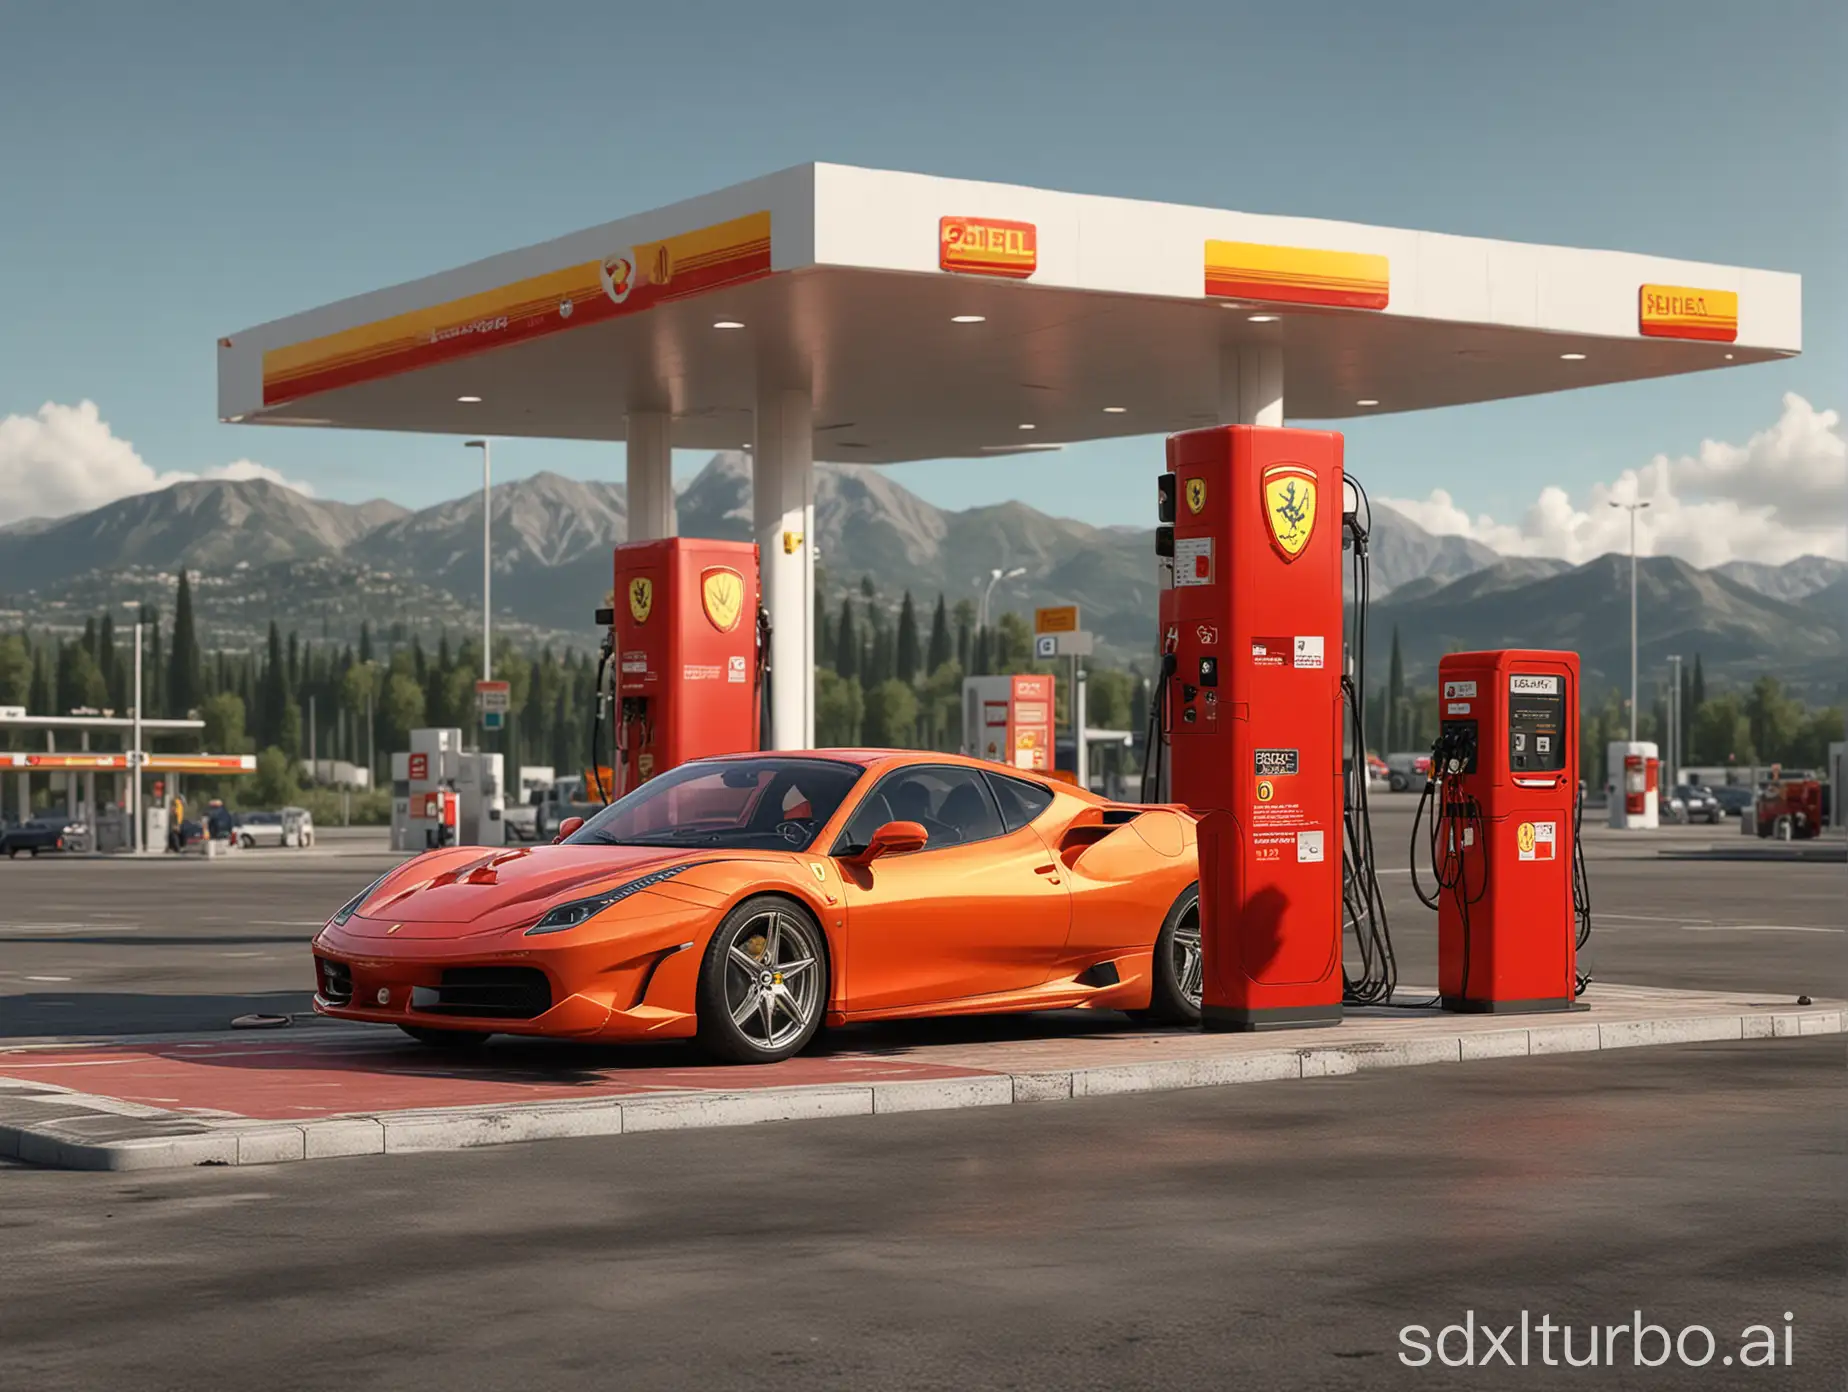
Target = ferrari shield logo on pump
(721,594)
(1289,507)
(641,598)
(1196,494)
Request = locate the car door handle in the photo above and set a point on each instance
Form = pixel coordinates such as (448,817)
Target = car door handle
(1049,870)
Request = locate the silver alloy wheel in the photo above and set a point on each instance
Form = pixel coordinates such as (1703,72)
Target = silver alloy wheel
(1186,948)
(773,979)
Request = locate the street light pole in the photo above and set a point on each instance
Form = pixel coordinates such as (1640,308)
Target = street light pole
(995,577)
(487,567)
(1633,509)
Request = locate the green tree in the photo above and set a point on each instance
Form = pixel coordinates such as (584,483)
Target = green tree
(1395,697)
(965,635)
(910,656)
(1775,721)
(365,641)
(80,682)
(44,700)
(15,671)
(1107,698)
(1722,733)
(274,784)
(846,644)
(289,738)
(941,647)
(272,690)
(839,709)
(185,685)
(891,715)
(401,711)
(1013,642)
(223,715)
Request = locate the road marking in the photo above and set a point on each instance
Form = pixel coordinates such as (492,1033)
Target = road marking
(1753,928)
(47,978)
(15,930)
(288,922)
(1650,918)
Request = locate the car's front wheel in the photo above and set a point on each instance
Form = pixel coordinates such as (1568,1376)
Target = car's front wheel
(763,986)
(1174,998)
(446,1038)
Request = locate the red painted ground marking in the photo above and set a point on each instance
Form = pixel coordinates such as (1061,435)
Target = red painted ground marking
(278,1080)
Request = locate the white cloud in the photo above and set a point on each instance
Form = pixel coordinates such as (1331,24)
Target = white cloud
(1780,495)
(66,459)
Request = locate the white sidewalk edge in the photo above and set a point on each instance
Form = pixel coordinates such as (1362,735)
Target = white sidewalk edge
(459,1128)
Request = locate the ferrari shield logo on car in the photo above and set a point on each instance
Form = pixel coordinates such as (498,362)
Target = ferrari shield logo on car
(721,593)
(641,598)
(1289,507)
(1196,494)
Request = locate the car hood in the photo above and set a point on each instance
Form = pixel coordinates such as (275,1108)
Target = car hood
(478,890)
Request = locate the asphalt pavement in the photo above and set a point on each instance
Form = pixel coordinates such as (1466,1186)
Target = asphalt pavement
(118,947)
(1274,1236)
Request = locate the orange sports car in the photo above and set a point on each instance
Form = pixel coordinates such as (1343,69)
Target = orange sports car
(745,901)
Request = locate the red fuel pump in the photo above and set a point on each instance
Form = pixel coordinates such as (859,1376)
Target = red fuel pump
(1252,637)
(688,639)
(1503,809)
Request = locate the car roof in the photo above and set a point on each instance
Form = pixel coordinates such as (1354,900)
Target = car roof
(881,760)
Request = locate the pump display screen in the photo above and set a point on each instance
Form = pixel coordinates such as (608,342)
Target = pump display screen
(1536,723)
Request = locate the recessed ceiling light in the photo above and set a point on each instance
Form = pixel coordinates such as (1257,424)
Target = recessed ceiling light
(1729,357)
(1572,357)
(968,318)
(468,398)
(1264,318)
(1026,425)
(728,324)
(1020,449)
(1231,304)
(1367,401)
(1115,410)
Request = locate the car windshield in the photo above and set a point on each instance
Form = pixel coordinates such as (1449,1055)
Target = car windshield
(765,803)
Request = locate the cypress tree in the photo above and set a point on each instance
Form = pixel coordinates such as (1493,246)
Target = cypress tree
(846,644)
(909,657)
(184,684)
(824,631)
(939,650)
(42,701)
(1395,697)
(274,698)
(365,640)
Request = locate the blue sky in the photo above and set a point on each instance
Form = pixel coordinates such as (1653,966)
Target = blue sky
(171,173)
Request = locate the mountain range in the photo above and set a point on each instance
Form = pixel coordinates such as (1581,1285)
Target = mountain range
(263,550)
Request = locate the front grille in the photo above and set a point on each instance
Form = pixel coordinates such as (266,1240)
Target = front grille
(336,980)
(498,993)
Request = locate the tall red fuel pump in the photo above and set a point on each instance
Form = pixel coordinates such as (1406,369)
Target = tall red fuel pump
(1503,808)
(1254,711)
(688,643)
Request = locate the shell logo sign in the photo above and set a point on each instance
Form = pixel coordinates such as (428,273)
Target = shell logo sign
(1297,275)
(1681,311)
(987,246)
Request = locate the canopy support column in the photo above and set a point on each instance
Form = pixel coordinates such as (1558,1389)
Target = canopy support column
(1250,385)
(783,510)
(650,477)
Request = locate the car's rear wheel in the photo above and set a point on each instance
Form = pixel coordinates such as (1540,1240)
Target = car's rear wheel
(1178,979)
(247,841)
(763,986)
(446,1038)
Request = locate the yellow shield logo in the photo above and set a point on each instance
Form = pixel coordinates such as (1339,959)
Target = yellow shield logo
(1196,494)
(1524,837)
(1289,506)
(721,592)
(641,598)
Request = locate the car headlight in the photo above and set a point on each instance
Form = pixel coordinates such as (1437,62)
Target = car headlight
(351,907)
(570,915)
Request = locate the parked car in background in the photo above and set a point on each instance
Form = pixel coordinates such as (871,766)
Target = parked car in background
(51,831)
(292,826)
(1698,804)
(1405,770)
(1735,802)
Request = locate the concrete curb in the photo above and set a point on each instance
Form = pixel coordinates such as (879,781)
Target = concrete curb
(107,1138)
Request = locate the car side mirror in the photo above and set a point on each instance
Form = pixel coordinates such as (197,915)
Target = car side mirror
(894,838)
(567,829)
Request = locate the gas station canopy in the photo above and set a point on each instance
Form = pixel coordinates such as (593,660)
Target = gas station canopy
(932,318)
(865,316)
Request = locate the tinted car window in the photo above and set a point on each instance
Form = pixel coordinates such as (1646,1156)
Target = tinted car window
(953,805)
(740,804)
(1020,800)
